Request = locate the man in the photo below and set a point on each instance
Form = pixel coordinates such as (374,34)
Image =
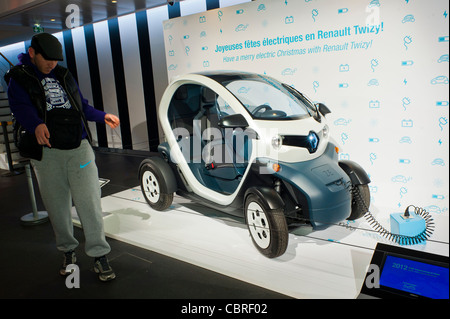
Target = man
(47,102)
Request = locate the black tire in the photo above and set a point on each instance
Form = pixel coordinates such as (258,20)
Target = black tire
(267,227)
(360,201)
(154,187)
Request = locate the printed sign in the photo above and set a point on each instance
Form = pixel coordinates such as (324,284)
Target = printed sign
(381,67)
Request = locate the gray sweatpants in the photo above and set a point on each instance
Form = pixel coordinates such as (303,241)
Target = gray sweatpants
(66,175)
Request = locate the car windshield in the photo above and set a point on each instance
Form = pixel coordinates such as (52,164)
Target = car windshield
(267,99)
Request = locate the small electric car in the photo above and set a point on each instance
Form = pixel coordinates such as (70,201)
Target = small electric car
(251,146)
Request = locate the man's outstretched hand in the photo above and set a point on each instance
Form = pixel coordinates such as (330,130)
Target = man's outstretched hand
(112,120)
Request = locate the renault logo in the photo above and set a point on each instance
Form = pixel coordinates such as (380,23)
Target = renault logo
(313,142)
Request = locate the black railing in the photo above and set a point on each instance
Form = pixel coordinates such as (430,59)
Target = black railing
(5,112)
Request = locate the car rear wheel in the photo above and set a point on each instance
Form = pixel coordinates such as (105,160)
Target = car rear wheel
(154,187)
(267,227)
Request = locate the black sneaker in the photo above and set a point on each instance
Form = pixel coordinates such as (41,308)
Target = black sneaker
(69,258)
(103,269)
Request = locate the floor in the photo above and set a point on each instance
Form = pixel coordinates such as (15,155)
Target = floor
(29,262)
(185,252)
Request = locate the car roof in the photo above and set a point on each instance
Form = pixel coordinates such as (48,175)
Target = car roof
(225,76)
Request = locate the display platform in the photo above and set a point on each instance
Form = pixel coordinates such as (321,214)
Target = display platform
(328,263)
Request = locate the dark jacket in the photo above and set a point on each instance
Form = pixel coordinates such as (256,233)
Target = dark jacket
(27,97)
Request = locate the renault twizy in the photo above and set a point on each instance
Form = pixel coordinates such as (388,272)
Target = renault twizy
(251,146)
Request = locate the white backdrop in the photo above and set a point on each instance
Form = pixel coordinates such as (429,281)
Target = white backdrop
(380,66)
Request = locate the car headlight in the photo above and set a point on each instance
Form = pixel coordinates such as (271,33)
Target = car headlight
(277,142)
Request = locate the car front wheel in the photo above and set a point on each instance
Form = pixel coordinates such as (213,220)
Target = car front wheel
(267,227)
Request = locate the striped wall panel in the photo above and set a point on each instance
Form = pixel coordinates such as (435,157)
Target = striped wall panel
(120,67)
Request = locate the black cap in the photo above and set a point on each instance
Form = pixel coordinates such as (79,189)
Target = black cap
(47,45)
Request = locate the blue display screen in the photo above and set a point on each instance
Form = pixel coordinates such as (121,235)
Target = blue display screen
(415,277)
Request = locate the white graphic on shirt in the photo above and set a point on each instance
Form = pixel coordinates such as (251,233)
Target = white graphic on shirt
(55,96)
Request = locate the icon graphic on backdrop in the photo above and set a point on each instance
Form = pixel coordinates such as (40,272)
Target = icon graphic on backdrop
(372,157)
(374,104)
(407,40)
(315,85)
(344,68)
(438,161)
(405,139)
(220,14)
(341,121)
(442,121)
(344,137)
(436,196)
(407,123)
(314,13)
(289,20)
(406,101)
(170,39)
(241,27)
(408,18)
(407,63)
(187,49)
(373,64)
(400,179)
(403,191)
(289,71)
(443,58)
(404,161)
(441,79)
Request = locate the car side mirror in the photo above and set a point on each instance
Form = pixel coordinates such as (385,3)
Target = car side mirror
(323,109)
(233,121)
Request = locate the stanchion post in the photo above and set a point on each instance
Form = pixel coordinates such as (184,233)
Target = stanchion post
(35,217)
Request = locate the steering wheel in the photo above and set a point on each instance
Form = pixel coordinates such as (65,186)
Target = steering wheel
(261,107)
